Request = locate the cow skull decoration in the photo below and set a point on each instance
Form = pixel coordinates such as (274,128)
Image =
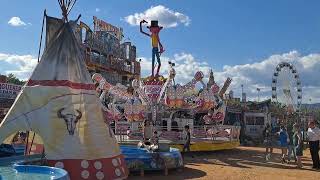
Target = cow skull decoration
(70,119)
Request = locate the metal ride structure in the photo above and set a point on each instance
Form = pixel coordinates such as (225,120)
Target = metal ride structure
(155,101)
(286,87)
(148,99)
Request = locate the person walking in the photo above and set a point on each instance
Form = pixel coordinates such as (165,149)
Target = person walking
(291,149)
(298,144)
(313,134)
(187,141)
(283,137)
(268,141)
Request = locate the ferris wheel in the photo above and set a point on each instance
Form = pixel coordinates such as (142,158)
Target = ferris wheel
(286,87)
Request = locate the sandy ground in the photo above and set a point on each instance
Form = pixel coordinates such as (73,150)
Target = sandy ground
(244,163)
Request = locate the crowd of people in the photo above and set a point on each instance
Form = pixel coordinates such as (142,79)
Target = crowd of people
(291,143)
(289,139)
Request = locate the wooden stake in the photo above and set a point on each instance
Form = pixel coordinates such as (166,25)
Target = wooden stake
(166,171)
(141,172)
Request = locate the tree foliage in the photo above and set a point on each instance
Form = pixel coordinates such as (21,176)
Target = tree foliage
(11,78)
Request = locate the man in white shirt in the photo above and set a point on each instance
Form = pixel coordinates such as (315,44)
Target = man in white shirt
(314,137)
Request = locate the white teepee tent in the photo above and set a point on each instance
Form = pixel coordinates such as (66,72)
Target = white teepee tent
(60,104)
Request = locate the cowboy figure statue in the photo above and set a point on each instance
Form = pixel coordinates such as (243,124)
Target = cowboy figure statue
(155,42)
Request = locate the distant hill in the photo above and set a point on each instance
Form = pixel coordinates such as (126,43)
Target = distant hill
(311,106)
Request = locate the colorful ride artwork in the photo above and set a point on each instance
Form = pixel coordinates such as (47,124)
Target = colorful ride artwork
(150,98)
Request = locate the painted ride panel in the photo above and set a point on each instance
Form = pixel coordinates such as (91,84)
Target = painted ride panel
(209,145)
(6,150)
(141,159)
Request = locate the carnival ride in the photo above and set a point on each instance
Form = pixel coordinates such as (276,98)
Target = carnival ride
(151,98)
(286,87)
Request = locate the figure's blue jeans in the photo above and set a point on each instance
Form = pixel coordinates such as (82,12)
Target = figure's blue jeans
(155,53)
(291,151)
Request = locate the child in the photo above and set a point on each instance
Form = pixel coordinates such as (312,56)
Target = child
(155,138)
(154,142)
(283,136)
(187,139)
(298,144)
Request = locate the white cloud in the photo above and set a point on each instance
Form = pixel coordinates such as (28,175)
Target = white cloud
(258,74)
(185,65)
(16,21)
(252,76)
(97,10)
(21,65)
(166,17)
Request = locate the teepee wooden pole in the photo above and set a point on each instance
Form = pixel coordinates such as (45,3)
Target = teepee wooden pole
(70,7)
(27,144)
(44,16)
(30,148)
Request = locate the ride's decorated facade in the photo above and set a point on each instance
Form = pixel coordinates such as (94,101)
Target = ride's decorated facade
(158,100)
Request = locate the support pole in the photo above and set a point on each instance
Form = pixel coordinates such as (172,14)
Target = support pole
(44,16)
(27,143)
(34,134)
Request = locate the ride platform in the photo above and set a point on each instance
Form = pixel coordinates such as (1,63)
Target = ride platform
(205,145)
(215,145)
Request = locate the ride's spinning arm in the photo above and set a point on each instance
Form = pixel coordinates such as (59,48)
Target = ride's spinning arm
(133,108)
(217,109)
(174,97)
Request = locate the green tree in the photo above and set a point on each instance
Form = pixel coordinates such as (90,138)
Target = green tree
(317,115)
(11,78)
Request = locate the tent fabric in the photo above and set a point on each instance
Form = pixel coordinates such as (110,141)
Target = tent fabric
(55,24)
(59,103)
(52,27)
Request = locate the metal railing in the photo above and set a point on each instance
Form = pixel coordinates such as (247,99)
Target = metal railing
(198,133)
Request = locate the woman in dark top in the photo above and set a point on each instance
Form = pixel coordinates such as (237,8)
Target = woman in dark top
(186,145)
(298,144)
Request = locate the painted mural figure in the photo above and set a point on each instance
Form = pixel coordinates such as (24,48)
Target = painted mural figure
(155,42)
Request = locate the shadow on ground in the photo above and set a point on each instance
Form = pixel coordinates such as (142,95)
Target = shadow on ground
(240,158)
(245,161)
(186,173)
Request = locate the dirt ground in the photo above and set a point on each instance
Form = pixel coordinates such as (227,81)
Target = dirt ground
(244,163)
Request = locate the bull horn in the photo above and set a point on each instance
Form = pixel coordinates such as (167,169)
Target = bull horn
(79,114)
(59,113)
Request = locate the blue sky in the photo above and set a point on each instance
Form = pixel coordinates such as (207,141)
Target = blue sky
(219,34)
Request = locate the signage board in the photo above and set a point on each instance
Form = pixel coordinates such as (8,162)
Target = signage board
(100,25)
(9,91)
